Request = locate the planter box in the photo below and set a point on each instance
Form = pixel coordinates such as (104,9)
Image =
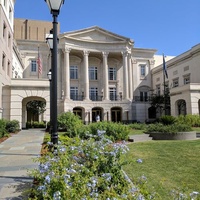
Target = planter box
(174,136)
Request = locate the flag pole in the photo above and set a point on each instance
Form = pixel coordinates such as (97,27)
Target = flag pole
(164,84)
(38,61)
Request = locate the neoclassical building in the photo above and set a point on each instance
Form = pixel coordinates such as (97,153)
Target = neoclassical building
(99,73)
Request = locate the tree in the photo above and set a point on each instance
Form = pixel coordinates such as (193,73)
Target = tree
(36,107)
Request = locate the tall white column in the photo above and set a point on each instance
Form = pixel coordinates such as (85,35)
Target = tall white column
(66,75)
(130,76)
(125,75)
(86,76)
(105,67)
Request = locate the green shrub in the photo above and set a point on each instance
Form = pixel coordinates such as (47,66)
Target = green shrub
(12,126)
(192,120)
(3,131)
(174,128)
(115,131)
(138,126)
(70,123)
(167,120)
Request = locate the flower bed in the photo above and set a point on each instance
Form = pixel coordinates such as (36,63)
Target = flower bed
(84,169)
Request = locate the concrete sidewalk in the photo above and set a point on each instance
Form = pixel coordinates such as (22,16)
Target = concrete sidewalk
(16,157)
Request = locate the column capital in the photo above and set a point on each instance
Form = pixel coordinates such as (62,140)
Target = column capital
(86,52)
(105,53)
(152,61)
(66,50)
(124,53)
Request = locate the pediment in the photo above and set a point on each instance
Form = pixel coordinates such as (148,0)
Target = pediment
(95,34)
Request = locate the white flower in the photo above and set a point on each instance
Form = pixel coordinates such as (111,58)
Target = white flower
(139,160)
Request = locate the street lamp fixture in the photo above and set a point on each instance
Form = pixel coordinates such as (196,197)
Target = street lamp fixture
(54,7)
(49,39)
(49,75)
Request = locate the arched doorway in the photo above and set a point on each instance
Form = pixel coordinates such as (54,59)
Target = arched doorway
(116,114)
(33,109)
(181,107)
(78,111)
(97,111)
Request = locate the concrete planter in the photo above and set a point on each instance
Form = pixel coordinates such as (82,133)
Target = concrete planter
(174,136)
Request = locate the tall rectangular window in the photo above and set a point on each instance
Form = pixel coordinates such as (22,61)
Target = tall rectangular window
(186,79)
(113,94)
(8,68)
(4,29)
(73,72)
(142,70)
(158,89)
(93,94)
(175,82)
(3,61)
(93,73)
(9,40)
(74,93)
(112,73)
(10,13)
(143,96)
(33,66)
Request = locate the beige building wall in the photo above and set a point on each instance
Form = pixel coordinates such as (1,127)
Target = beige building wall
(183,81)
(6,45)
(26,29)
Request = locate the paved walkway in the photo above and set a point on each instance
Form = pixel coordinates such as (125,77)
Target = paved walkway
(140,138)
(16,157)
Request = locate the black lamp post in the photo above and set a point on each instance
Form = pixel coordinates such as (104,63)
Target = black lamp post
(54,6)
(49,40)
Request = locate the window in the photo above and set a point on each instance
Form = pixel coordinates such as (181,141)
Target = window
(94,94)
(113,94)
(4,29)
(93,73)
(10,13)
(73,72)
(74,93)
(175,82)
(112,73)
(142,70)
(158,89)
(9,40)
(8,68)
(143,96)
(186,79)
(33,66)
(3,61)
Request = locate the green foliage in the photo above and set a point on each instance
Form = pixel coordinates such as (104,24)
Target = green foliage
(192,120)
(3,131)
(114,131)
(167,120)
(35,124)
(138,126)
(36,107)
(70,123)
(12,126)
(171,129)
(85,169)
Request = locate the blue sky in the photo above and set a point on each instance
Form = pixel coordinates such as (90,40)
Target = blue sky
(170,26)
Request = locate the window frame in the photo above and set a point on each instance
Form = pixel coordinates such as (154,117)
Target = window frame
(93,93)
(33,66)
(74,92)
(74,72)
(175,82)
(142,70)
(112,93)
(93,73)
(112,74)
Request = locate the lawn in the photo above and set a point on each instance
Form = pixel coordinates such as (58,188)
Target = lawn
(167,165)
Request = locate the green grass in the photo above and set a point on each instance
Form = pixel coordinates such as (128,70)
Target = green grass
(167,165)
(136,132)
(197,129)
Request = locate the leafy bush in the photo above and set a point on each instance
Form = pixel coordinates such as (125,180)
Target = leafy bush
(12,126)
(70,123)
(35,124)
(174,128)
(138,126)
(167,120)
(3,131)
(192,120)
(85,169)
(114,131)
